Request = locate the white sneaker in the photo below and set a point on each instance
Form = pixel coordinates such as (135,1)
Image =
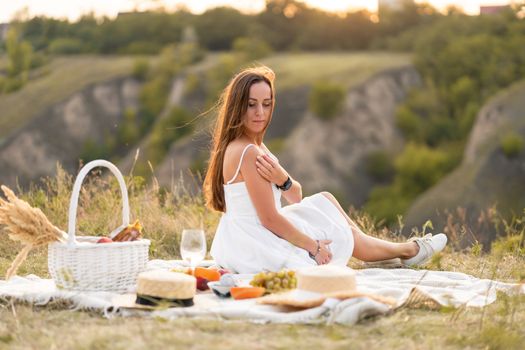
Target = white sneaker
(428,246)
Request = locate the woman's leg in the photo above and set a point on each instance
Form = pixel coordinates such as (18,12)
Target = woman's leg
(368,248)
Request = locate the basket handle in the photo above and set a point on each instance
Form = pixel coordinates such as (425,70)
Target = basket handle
(73,204)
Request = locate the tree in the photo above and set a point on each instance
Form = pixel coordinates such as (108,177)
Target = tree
(18,54)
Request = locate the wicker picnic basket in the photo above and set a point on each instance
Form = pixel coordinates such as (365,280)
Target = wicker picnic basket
(82,264)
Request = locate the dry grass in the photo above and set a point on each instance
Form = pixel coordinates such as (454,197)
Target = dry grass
(165,213)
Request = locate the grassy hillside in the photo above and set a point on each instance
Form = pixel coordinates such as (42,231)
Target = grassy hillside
(486,177)
(165,214)
(347,68)
(62,77)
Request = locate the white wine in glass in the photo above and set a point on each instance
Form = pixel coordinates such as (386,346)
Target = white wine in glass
(193,246)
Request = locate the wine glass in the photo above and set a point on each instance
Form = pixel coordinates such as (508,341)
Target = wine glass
(193,246)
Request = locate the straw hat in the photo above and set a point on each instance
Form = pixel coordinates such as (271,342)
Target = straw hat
(316,284)
(160,289)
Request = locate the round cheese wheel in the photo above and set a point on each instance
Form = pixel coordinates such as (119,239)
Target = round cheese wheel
(326,279)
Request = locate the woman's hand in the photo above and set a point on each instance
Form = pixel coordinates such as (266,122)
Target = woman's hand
(271,170)
(324,256)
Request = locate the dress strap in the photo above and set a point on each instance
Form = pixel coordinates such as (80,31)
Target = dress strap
(240,162)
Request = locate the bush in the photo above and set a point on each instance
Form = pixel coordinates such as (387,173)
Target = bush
(141,48)
(12,84)
(386,203)
(326,99)
(409,123)
(141,69)
(94,150)
(65,46)
(168,130)
(420,167)
(154,94)
(129,132)
(512,144)
(379,166)
(251,48)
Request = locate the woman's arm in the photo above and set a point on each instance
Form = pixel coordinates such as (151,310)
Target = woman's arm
(261,195)
(275,173)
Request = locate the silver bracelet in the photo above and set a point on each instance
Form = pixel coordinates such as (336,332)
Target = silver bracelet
(317,252)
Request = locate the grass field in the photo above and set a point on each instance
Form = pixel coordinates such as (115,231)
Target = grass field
(164,214)
(346,68)
(58,80)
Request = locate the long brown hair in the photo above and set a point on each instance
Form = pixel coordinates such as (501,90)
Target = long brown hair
(232,107)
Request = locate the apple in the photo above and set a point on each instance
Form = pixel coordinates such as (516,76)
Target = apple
(202,283)
(105,240)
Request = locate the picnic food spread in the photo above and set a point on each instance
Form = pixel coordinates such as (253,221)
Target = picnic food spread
(159,287)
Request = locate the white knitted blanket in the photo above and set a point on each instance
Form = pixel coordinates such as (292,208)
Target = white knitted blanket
(411,288)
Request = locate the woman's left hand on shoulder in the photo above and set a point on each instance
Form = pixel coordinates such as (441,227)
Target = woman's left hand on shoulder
(271,170)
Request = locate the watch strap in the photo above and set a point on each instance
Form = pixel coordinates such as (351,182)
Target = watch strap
(286,185)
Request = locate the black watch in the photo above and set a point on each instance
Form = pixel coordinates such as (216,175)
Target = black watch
(286,185)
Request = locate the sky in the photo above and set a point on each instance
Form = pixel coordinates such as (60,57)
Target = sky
(73,9)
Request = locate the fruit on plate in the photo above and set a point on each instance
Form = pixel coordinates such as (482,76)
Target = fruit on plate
(275,281)
(239,293)
(105,240)
(202,283)
(209,274)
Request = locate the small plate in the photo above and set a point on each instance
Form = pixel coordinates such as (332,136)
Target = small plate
(219,289)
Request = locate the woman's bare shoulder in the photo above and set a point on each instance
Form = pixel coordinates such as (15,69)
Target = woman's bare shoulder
(232,158)
(235,149)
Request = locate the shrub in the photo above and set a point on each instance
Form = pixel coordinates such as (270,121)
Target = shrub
(65,46)
(141,69)
(141,48)
(326,99)
(94,150)
(386,203)
(512,144)
(251,48)
(129,132)
(409,123)
(154,94)
(168,130)
(12,84)
(379,166)
(420,167)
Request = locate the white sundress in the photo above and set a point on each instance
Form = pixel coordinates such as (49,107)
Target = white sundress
(243,245)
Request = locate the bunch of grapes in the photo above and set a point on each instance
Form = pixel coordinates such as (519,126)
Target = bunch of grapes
(275,281)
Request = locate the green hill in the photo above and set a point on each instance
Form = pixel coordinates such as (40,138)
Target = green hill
(55,82)
(347,68)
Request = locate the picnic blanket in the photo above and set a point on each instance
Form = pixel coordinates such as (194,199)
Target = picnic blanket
(410,288)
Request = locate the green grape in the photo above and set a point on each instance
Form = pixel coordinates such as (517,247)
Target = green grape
(275,281)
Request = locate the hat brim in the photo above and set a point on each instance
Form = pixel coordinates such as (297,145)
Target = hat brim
(303,299)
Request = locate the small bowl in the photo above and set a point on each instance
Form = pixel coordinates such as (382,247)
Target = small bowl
(220,290)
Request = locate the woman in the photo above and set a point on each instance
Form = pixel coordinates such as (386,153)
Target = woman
(245,181)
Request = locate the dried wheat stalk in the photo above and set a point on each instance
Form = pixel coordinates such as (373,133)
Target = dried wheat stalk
(27,225)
